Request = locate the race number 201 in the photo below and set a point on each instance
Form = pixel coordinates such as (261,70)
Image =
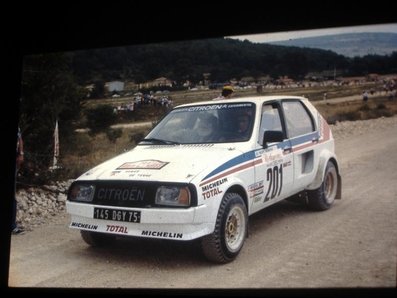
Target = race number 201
(274,177)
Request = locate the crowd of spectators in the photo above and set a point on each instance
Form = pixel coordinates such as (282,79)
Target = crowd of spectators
(141,99)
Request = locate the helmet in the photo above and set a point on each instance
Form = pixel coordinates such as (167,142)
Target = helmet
(207,125)
(227,90)
(204,129)
(228,87)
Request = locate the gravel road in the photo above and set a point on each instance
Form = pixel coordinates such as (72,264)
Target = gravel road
(352,245)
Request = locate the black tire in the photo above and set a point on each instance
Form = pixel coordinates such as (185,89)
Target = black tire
(227,240)
(96,239)
(322,198)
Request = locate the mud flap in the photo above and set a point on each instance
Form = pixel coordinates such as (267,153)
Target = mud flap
(339,191)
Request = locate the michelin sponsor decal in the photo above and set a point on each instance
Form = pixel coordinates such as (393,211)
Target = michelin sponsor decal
(83,226)
(162,234)
(212,189)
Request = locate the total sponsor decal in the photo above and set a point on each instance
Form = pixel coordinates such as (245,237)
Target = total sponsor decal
(117,229)
(162,234)
(212,189)
(83,226)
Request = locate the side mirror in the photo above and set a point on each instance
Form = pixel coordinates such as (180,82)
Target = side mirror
(270,136)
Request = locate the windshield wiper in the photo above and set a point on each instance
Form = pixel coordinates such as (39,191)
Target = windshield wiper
(159,141)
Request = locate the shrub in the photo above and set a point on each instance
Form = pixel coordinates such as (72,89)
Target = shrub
(114,134)
(365,108)
(100,118)
(381,106)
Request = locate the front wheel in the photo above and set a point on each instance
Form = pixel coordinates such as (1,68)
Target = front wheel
(227,240)
(323,197)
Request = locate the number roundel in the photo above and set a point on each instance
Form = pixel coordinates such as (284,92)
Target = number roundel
(274,177)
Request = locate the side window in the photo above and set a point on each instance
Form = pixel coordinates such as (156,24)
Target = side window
(270,120)
(297,119)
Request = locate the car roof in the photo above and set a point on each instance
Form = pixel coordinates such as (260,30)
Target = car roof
(253,99)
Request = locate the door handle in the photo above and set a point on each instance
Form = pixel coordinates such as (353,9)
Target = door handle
(287,149)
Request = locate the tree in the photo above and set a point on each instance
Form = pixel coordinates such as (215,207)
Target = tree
(49,92)
(100,118)
(99,89)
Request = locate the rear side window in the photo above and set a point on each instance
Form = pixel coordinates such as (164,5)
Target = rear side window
(297,118)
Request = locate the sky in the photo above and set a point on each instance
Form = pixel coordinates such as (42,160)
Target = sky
(286,35)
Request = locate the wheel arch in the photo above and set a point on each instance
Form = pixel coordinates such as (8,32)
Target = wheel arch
(240,190)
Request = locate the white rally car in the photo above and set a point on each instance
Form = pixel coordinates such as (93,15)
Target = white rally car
(204,168)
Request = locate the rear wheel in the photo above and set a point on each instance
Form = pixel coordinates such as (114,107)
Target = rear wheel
(323,197)
(227,240)
(97,239)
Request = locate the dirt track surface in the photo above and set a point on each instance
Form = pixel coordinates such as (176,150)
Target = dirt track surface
(353,244)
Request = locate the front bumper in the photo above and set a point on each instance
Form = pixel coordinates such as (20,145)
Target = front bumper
(164,223)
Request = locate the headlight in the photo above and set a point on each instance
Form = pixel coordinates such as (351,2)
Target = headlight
(82,192)
(173,196)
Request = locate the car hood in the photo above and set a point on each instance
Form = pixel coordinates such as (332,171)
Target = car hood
(177,163)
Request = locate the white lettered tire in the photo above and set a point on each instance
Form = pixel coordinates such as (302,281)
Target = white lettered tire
(225,243)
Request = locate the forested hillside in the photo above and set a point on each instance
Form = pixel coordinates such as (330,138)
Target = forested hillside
(222,58)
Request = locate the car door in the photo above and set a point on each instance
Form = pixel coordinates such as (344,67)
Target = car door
(302,133)
(274,171)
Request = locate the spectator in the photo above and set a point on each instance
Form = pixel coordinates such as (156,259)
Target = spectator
(15,230)
(365,96)
(227,92)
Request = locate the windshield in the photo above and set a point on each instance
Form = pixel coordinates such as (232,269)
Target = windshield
(213,123)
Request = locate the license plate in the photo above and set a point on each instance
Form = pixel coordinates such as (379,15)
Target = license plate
(117,214)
